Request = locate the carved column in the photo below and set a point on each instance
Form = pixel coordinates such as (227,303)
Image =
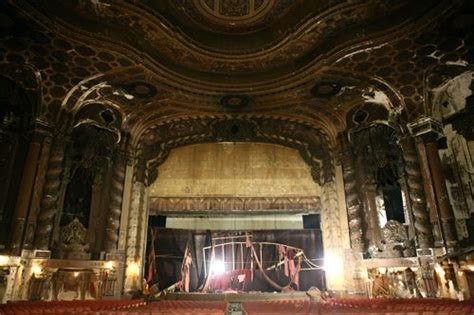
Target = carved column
(331,229)
(137,218)
(38,146)
(423,229)
(369,195)
(445,209)
(353,204)
(49,200)
(115,204)
(330,215)
(427,131)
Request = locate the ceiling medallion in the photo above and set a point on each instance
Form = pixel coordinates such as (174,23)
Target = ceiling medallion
(141,89)
(234,101)
(234,13)
(326,89)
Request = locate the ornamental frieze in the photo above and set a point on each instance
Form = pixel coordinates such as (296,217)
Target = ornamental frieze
(226,205)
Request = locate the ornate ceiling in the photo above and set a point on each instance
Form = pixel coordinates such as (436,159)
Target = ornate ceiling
(184,36)
(309,61)
(230,16)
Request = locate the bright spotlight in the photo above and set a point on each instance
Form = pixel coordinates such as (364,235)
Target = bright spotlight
(36,269)
(333,264)
(109,265)
(133,270)
(217,267)
(4,260)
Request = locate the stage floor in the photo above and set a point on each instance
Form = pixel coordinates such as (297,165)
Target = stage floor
(237,297)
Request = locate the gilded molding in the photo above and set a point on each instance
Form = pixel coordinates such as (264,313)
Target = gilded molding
(226,205)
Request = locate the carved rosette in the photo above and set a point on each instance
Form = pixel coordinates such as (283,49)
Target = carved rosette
(115,204)
(49,201)
(353,204)
(415,189)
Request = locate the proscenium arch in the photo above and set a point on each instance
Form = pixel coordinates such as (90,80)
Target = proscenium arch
(312,143)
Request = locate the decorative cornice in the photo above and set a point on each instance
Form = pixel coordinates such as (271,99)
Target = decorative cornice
(226,205)
(426,126)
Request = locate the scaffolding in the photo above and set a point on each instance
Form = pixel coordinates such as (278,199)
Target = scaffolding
(233,244)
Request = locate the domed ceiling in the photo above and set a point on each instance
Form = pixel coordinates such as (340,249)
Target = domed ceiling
(235,41)
(309,60)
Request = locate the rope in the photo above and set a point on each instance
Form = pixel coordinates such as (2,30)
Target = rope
(208,276)
(269,280)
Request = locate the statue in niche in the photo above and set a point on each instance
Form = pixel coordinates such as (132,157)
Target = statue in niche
(387,182)
(77,202)
(380,164)
(89,156)
(388,165)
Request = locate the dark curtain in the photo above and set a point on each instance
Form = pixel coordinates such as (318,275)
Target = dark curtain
(170,245)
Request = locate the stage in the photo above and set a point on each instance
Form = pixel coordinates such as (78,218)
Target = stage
(232,297)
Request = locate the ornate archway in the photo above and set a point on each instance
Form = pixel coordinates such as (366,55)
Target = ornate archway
(313,144)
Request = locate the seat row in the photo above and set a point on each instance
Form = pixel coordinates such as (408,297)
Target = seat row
(121,307)
(67,307)
(362,306)
(294,307)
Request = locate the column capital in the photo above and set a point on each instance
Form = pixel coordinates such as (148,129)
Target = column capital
(426,126)
(42,125)
(41,130)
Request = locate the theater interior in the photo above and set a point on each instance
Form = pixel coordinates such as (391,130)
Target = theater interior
(237,157)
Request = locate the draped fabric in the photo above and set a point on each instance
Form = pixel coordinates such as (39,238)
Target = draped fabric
(152,258)
(185,270)
(170,248)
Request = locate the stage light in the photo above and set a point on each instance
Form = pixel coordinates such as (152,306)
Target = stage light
(217,267)
(333,264)
(4,260)
(133,269)
(36,269)
(334,270)
(109,265)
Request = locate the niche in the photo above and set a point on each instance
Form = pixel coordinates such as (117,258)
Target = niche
(88,162)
